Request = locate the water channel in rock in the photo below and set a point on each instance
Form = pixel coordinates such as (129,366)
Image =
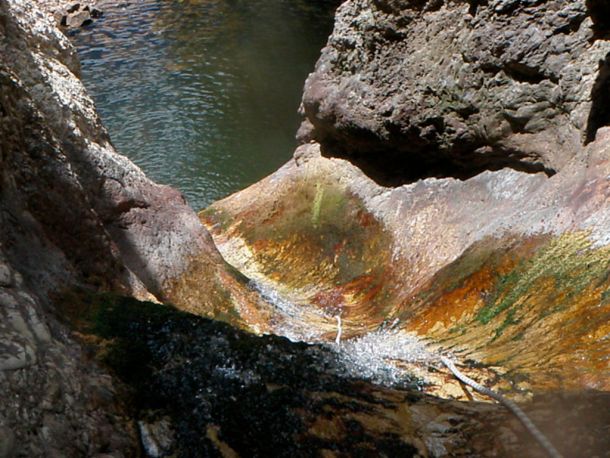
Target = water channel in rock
(203,94)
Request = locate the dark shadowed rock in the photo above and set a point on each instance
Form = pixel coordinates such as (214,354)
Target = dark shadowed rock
(202,388)
(600,14)
(7,442)
(224,391)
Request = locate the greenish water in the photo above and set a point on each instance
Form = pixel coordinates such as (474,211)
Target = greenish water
(203,95)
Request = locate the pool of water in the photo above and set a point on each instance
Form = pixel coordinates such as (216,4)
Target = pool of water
(203,94)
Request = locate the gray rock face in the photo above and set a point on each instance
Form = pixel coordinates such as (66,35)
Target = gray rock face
(7,442)
(73,212)
(73,207)
(53,401)
(71,15)
(432,88)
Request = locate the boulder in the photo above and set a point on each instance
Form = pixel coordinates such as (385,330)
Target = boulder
(409,89)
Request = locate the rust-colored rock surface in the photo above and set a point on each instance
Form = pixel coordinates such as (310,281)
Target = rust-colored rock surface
(506,268)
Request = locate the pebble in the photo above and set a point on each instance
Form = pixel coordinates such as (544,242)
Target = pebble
(78,16)
(6,278)
(79,19)
(157,438)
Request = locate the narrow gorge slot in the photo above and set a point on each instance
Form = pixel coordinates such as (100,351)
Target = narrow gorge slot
(338,294)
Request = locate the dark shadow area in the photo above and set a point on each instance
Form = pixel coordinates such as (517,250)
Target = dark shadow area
(526,74)
(578,422)
(396,168)
(259,395)
(599,115)
(474,6)
(599,11)
(265,396)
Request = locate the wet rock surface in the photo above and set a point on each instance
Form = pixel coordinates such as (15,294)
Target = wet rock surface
(410,89)
(486,266)
(225,392)
(509,270)
(505,267)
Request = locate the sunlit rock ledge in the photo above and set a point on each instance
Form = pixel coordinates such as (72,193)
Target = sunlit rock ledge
(506,268)
(423,227)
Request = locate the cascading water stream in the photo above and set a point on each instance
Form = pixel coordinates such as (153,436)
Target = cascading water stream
(375,356)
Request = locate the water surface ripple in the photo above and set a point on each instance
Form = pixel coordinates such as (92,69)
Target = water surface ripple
(203,94)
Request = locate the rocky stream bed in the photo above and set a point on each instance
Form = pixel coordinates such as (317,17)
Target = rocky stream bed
(450,196)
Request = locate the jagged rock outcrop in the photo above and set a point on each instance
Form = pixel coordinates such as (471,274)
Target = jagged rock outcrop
(72,212)
(450,88)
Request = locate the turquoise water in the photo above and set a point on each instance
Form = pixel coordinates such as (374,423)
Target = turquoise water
(203,95)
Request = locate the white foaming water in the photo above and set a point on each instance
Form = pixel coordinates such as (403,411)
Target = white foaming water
(295,323)
(376,356)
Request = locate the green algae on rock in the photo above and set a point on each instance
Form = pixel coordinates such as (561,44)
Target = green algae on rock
(534,307)
(315,243)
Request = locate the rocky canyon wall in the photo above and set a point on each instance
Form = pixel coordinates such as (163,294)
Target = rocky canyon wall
(452,183)
(73,213)
(77,219)
(451,88)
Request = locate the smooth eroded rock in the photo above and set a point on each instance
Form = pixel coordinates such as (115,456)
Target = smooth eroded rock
(508,268)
